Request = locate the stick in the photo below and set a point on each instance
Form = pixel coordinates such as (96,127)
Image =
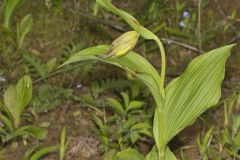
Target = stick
(121,28)
(199,25)
(57,72)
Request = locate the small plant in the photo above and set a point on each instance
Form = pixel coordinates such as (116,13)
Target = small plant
(229,137)
(15,100)
(204,143)
(125,126)
(63,143)
(36,153)
(9,8)
(225,142)
(181,102)
(101,86)
(38,68)
(23,28)
(54,5)
(50,97)
(13,36)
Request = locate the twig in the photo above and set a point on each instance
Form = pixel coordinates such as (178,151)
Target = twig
(199,25)
(187,46)
(233,40)
(57,72)
(122,28)
(111,24)
(184,45)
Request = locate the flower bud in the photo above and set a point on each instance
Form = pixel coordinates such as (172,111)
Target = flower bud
(123,44)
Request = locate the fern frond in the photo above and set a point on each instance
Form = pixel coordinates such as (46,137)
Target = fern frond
(103,85)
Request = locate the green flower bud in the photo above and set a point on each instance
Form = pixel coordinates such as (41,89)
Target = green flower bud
(123,44)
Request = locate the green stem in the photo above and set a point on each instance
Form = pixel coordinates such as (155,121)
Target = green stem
(163,72)
(163,68)
(161,155)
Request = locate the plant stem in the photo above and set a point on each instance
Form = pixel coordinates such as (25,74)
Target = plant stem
(161,155)
(163,68)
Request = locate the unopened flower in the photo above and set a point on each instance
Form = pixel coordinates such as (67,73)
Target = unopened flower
(123,44)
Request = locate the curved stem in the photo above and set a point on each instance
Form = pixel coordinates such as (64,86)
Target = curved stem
(163,68)
(163,72)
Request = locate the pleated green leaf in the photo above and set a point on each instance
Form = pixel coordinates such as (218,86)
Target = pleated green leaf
(169,155)
(17,97)
(129,154)
(196,90)
(132,62)
(153,154)
(135,105)
(39,133)
(44,151)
